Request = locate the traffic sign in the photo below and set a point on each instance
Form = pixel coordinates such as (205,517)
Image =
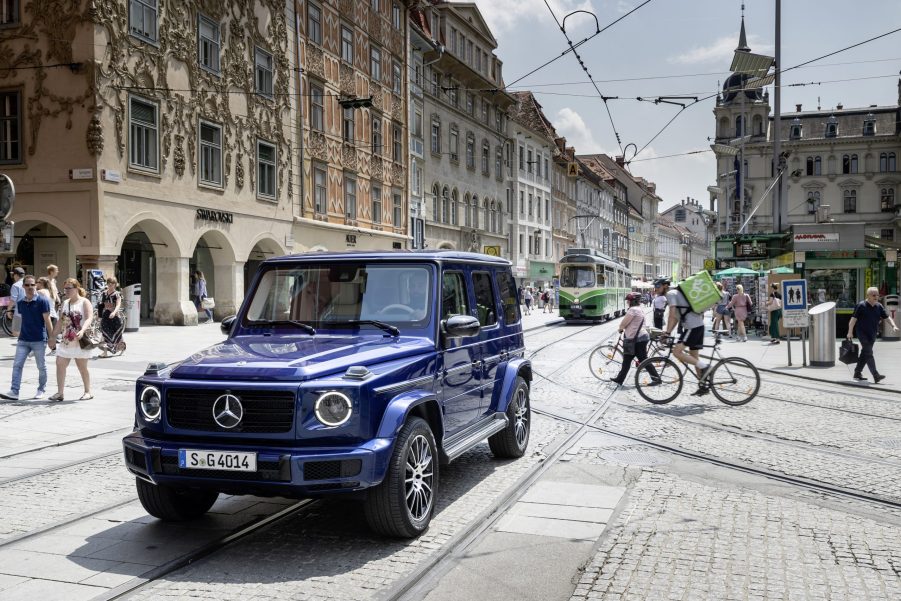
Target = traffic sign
(794,295)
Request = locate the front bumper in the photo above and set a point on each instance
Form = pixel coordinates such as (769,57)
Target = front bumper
(281,471)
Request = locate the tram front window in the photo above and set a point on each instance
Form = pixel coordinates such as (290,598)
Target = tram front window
(577,277)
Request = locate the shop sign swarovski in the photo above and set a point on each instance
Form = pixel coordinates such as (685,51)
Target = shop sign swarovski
(816,237)
(216,216)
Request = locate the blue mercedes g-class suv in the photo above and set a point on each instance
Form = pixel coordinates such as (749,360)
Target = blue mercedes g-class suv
(342,373)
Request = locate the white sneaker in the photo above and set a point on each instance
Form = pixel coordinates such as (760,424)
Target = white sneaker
(9,396)
(40,394)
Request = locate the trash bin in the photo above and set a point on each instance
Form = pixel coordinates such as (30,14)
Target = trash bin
(891,303)
(822,335)
(131,298)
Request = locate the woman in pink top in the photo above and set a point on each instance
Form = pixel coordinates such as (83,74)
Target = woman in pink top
(741,302)
(632,327)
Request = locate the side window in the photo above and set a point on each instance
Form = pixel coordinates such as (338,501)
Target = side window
(508,296)
(486,303)
(453,295)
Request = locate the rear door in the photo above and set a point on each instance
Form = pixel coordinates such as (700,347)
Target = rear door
(461,371)
(491,335)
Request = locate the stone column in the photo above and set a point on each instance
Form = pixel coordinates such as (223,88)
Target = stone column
(229,289)
(173,297)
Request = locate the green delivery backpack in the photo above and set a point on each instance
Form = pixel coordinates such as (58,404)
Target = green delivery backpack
(700,291)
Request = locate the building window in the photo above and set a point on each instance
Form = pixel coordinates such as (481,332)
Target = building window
(348,128)
(347,44)
(522,196)
(531,201)
(469,103)
(521,160)
(208,44)
(485,117)
(445,206)
(454,209)
(679,216)
(266,169)
(452,95)
(887,234)
(454,143)
(498,162)
(795,133)
(831,127)
(813,201)
(546,169)
(436,83)
(818,166)
(809,165)
(314,23)
(144,135)
(435,200)
(529,162)
(398,145)
(317,107)
(375,63)
(350,198)
(320,189)
(739,127)
(398,210)
(376,204)
(9,12)
(486,151)
(887,161)
(849,163)
(467,217)
(395,77)
(395,15)
(453,40)
(142,19)
(210,153)
(436,136)
(850,201)
(376,134)
(869,125)
(263,70)
(11,128)
(470,151)
(475,212)
(887,199)
(519,248)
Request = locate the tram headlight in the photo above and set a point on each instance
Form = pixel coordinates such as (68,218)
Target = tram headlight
(333,408)
(151,403)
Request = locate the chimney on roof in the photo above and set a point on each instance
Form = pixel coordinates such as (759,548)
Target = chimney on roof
(838,106)
(798,108)
(621,161)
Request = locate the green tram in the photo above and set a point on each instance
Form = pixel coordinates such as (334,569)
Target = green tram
(592,285)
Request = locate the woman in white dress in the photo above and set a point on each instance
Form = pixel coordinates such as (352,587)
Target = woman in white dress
(75,317)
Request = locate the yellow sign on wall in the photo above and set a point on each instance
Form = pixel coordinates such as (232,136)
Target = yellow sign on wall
(494,251)
(709,264)
(572,169)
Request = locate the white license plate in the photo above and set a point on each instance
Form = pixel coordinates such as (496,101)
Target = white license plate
(230,461)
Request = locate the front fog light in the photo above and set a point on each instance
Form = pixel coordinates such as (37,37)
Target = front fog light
(333,408)
(151,400)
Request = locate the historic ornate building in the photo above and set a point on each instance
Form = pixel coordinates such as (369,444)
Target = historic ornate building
(149,139)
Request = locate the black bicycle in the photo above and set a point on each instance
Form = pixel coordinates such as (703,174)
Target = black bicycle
(733,380)
(607,358)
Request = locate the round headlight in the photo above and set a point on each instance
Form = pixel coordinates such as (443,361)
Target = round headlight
(151,399)
(333,408)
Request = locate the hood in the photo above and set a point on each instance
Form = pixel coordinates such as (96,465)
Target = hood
(294,359)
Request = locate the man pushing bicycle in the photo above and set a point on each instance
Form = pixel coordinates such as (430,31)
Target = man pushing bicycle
(692,335)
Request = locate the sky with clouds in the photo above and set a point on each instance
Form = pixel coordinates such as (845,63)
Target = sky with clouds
(684,48)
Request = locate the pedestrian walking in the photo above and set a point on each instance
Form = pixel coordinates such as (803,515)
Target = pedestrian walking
(43,288)
(721,310)
(551,299)
(74,322)
(865,322)
(661,285)
(34,310)
(16,293)
(52,273)
(635,339)
(546,300)
(774,308)
(527,299)
(200,293)
(110,311)
(741,304)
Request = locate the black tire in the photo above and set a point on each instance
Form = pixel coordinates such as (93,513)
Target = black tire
(389,509)
(734,381)
(670,380)
(605,361)
(6,323)
(511,442)
(172,504)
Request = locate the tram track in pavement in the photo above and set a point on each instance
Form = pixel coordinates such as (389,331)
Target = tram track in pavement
(811,485)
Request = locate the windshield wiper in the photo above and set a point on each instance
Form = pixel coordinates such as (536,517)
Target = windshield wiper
(303,326)
(369,322)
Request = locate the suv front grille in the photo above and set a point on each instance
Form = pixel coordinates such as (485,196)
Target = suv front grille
(265,411)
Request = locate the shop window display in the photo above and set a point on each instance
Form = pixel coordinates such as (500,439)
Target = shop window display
(837,285)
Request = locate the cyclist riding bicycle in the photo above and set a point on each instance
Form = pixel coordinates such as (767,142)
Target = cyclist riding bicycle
(692,335)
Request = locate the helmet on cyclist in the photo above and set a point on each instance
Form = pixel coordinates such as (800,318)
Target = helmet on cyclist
(633,298)
(661,282)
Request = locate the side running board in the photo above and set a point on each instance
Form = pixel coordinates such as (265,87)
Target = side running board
(465,440)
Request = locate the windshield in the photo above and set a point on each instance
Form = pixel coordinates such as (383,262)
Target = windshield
(577,276)
(323,294)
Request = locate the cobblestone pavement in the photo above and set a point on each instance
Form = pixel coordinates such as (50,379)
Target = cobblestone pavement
(331,554)
(680,539)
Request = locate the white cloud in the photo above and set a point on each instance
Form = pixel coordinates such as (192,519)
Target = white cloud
(570,125)
(720,51)
(504,15)
(622,7)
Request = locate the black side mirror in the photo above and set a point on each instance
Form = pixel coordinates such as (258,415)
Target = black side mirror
(460,326)
(226,324)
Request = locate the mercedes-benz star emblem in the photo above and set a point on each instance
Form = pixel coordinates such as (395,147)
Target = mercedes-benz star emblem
(228,411)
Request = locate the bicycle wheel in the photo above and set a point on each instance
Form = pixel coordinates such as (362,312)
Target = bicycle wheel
(6,323)
(668,374)
(605,361)
(734,381)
